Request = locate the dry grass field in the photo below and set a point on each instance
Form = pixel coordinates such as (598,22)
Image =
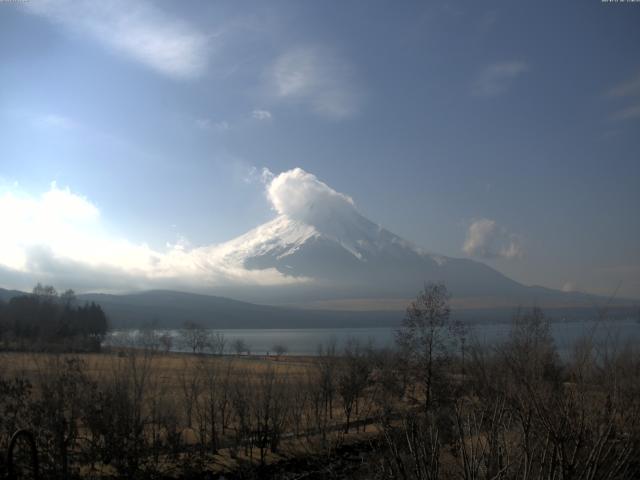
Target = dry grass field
(310,413)
(245,409)
(169,367)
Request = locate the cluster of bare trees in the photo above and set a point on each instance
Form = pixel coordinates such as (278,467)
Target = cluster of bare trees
(192,338)
(199,339)
(429,409)
(514,410)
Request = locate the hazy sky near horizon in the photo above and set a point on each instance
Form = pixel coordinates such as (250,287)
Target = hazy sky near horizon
(507,132)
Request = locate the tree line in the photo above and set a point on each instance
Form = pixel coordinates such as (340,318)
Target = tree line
(47,320)
(193,337)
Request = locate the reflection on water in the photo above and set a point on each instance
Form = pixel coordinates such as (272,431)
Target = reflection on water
(306,341)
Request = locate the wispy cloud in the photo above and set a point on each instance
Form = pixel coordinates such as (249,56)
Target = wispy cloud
(52,120)
(627,113)
(258,175)
(212,125)
(497,78)
(629,88)
(488,21)
(261,115)
(316,78)
(569,287)
(486,239)
(628,91)
(138,30)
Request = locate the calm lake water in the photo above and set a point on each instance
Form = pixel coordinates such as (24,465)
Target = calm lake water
(306,341)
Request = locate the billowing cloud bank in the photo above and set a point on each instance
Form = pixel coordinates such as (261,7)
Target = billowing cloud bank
(59,237)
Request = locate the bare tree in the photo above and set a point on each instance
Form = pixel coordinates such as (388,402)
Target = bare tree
(120,415)
(212,404)
(190,386)
(166,341)
(224,393)
(316,417)
(217,343)
(244,421)
(427,336)
(279,349)
(240,346)
(45,292)
(58,407)
(299,403)
(326,362)
(353,378)
(195,337)
(148,337)
(68,298)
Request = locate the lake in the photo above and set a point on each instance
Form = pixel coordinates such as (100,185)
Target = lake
(306,341)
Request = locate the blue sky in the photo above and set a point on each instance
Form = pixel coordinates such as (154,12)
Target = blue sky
(504,131)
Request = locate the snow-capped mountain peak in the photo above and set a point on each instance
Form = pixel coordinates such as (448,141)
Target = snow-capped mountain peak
(320,240)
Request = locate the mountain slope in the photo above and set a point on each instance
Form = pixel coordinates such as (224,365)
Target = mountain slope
(6,295)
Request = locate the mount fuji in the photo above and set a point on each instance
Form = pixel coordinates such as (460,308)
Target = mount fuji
(358,257)
(324,250)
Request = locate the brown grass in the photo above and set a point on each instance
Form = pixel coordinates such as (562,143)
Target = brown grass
(168,367)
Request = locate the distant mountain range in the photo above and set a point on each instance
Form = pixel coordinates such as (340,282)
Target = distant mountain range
(171,309)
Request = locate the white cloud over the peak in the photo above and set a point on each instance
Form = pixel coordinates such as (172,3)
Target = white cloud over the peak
(486,239)
(316,78)
(301,196)
(498,77)
(138,30)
